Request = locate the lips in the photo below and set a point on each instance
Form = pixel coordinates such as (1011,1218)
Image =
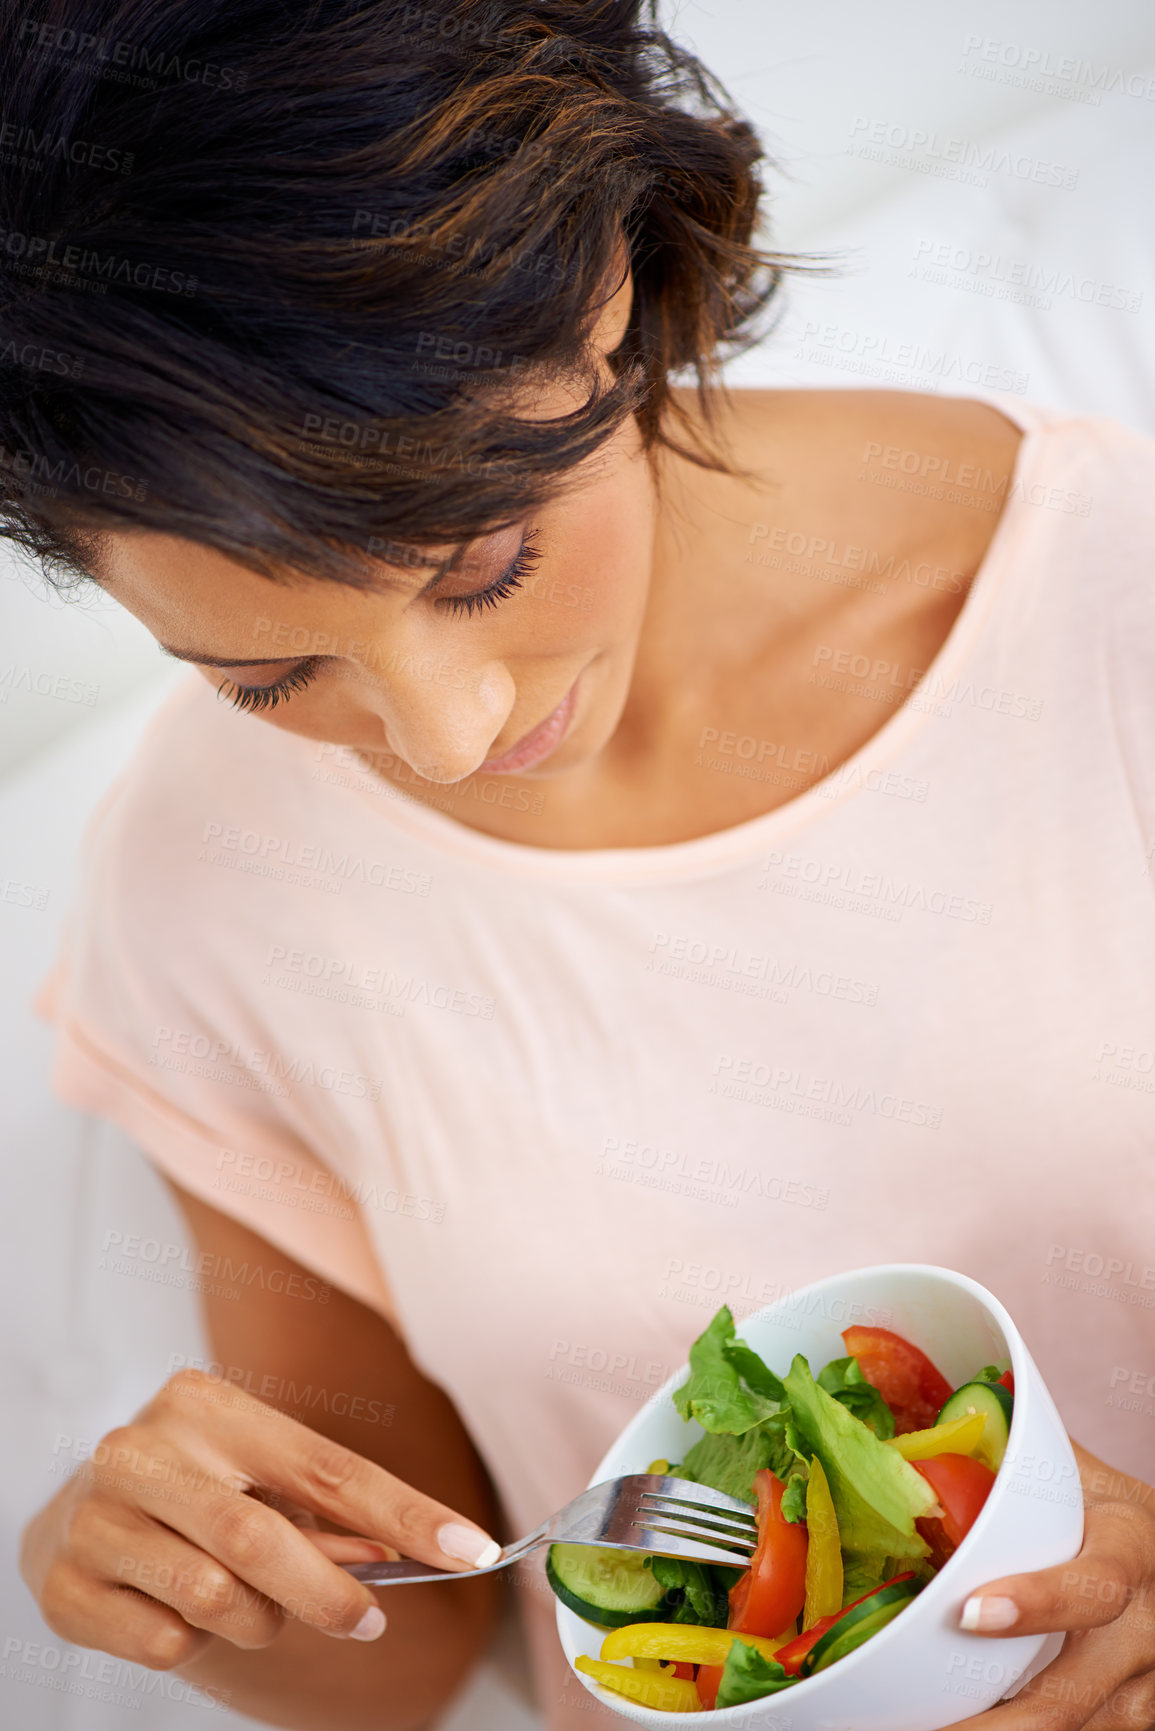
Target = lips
(538,743)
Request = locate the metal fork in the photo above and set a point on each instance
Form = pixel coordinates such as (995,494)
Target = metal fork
(642,1512)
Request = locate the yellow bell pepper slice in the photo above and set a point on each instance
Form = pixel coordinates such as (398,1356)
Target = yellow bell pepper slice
(959,1436)
(824,1551)
(692,1643)
(647,1688)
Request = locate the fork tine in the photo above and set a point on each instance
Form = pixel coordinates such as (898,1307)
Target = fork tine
(691,1492)
(714,1528)
(674,1521)
(667,1543)
(744,1520)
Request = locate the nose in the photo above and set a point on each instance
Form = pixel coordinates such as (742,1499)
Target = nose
(442,719)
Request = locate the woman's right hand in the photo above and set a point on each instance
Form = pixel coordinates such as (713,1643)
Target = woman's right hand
(196,1522)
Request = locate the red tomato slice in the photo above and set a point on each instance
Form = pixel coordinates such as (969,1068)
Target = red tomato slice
(1007,1381)
(790,1656)
(709,1676)
(684,1669)
(908,1382)
(962,1486)
(768,1597)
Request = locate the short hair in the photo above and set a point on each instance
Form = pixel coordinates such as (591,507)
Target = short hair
(271,277)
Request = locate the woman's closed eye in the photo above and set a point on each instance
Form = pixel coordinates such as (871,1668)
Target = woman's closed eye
(264,697)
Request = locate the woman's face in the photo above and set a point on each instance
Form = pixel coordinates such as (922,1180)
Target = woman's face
(530,632)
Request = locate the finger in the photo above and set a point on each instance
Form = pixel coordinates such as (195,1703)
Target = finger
(1096,1588)
(121,1546)
(339,1547)
(345,1548)
(1069,1692)
(253,1541)
(163,1566)
(92,1613)
(328,1478)
(1129,1708)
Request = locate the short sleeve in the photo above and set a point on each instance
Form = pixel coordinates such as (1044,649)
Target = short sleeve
(154,1033)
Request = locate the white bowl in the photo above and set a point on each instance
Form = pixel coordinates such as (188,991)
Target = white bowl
(921,1671)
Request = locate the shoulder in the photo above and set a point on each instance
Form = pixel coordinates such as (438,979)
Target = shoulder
(198,769)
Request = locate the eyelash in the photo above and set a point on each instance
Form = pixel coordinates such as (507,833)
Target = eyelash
(263,697)
(527,558)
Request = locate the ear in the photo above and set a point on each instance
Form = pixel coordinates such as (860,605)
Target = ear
(613,315)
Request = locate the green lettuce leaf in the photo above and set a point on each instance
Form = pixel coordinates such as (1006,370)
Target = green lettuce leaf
(877,1495)
(747,1676)
(862,1571)
(728,1464)
(843,1378)
(729,1388)
(696,1592)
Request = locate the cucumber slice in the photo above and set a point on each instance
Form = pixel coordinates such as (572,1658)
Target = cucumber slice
(862,1631)
(607,1587)
(996,1403)
(858,1624)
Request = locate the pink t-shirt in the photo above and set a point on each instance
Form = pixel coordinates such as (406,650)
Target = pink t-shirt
(548,1109)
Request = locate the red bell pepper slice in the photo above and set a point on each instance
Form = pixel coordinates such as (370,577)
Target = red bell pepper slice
(790,1656)
(767,1598)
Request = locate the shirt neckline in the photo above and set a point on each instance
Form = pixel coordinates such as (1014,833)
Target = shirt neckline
(705,854)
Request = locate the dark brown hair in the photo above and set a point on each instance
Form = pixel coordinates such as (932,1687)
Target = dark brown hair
(269,274)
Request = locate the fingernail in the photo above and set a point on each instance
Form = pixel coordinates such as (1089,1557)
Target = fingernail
(992,1613)
(371,1625)
(468,1545)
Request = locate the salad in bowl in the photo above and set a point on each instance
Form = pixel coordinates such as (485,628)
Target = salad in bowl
(868,1470)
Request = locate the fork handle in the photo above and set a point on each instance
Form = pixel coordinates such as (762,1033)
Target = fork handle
(406,1572)
(400,1573)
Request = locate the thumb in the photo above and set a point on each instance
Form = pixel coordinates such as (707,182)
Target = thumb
(1092,1590)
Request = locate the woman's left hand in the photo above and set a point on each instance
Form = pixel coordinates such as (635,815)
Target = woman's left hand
(1104,1678)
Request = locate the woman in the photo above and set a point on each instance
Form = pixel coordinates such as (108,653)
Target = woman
(610,913)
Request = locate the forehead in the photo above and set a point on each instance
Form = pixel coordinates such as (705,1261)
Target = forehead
(135,558)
